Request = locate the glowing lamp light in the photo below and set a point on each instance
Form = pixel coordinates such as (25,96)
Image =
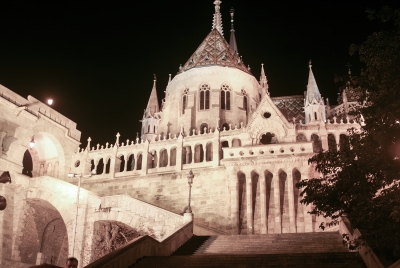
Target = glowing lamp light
(50,101)
(32,143)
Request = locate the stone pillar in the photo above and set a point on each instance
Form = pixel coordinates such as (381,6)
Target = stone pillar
(126,163)
(136,161)
(188,149)
(277,201)
(234,196)
(249,203)
(204,152)
(308,225)
(216,145)
(2,136)
(178,166)
(145,157)
(114,162)
(105,166)
(263,200)
(292,221)
(39,258)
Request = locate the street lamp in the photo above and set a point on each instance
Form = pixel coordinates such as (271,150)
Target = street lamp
(190,181)
(32,143)
(79,176)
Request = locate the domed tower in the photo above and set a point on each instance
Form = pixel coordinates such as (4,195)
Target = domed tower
(314,107)
(151,116)
(213,87)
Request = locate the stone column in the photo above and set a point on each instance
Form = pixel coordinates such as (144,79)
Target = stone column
(136,160)
(145,157)
(308,225)
(216,145)
(292,221)
(105,166)
(2,136)
(126,163)
(234,196)
(249,203)
(277,201)
(204,152)
(263,200)
(178,166)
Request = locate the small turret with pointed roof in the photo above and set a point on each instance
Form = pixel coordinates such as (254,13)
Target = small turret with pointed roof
(263,82)
(152,105)
(217,20)
(232,40)
(314,106)
(151,117)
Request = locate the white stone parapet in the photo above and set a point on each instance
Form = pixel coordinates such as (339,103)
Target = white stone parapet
(269,150)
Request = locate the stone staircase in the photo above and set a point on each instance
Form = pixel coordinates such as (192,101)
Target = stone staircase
(324,249)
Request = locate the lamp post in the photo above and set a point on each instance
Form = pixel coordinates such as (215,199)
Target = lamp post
(190,177)
(79,176)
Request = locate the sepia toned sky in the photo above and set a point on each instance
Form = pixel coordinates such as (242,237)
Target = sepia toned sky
(97,59)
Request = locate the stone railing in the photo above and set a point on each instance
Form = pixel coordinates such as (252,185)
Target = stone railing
(163,222)
(128,254)
(270,150)
(366,253)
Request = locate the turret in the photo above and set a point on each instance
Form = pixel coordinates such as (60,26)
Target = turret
(314,106)
(263,82)
(151,116)
(232,40)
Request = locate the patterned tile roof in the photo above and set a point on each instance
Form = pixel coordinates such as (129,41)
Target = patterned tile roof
(214,50)
(291,106)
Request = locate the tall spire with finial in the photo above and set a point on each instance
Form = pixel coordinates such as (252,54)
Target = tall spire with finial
(263,81)
(217,21)
(152,105)
(312,88)
(232,41)
(314,107)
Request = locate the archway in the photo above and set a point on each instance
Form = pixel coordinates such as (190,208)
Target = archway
(43,231)
(27,164)
(267,138)
(47,151)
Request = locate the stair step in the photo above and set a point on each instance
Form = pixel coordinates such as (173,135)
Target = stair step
(326,260)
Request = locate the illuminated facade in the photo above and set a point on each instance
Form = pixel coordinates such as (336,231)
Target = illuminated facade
(246,148)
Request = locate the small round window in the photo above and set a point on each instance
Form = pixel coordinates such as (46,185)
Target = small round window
(77,163)
(267,115)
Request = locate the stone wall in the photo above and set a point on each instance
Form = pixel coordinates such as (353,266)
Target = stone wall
(210,196)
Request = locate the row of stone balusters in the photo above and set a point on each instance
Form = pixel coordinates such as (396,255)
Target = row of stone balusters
(159,138)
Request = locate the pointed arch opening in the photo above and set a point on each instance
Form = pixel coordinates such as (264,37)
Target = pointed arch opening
(204,97)
(225,97)
(27,164)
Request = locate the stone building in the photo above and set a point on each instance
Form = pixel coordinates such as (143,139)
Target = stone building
(246,148)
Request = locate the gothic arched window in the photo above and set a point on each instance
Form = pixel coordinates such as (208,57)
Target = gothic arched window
(184,100)
(244,99)
(225,97)
(204,97)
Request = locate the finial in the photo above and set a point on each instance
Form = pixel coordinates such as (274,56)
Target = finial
(348,66)
(232,11)
(155,77)
(169,79)
(217,21)
(309,63)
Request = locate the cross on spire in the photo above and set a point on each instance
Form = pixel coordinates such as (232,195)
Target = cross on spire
(348,66)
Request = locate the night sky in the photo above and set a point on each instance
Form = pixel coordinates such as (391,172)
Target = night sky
(97,59)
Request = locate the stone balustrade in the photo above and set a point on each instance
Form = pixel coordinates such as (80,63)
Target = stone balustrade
(272,150)
(128,254)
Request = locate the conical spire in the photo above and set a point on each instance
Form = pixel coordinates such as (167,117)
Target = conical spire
(232,41)
(263,81)
(312,88)
(217,21)
(152,105)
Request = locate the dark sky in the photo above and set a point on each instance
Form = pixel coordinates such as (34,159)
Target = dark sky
(97,59)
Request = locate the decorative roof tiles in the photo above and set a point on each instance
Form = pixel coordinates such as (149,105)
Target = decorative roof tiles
(214,50)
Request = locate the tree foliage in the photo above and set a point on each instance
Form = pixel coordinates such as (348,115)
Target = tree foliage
(361,180)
